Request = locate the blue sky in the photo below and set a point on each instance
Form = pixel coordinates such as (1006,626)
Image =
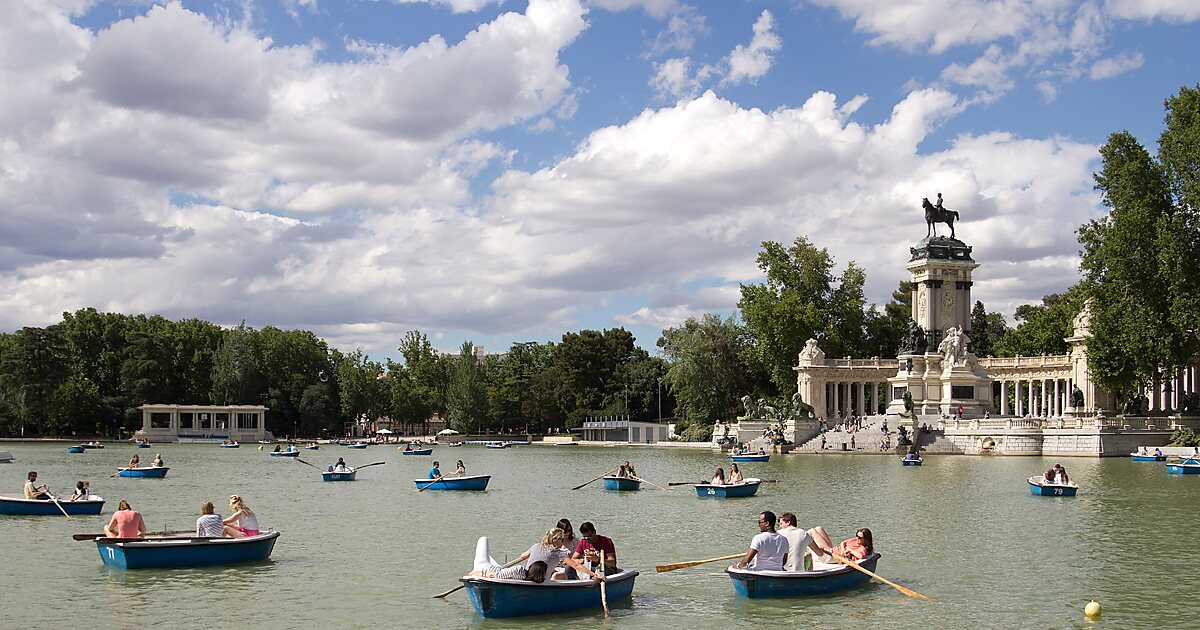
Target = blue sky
(509,171)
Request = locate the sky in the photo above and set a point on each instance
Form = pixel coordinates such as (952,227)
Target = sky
(508,171)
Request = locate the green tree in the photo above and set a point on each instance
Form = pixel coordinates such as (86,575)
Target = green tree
(424,382)
(886,330)
(802,299)
(706,373)
(468,391)
(1139,260)
(36,364)
(1043,328)
(363,391)
(986,330)
(236,375)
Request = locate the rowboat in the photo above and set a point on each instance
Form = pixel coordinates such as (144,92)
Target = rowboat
(357,445)
(144,471)
(473,482)
(230,445)
(329,475)
(1184,469)
(911,462)
(824,578)
(5,457)
(74,449)
(183,552)
(20,506)
(92,445)
(497,445)
(141,445)
(416,451)
(287,453)
(566,443)
(266,441)
(497,598)
(454,444)
(747,488)
(749,458)
(312,447)
(1039,487)
(622,483)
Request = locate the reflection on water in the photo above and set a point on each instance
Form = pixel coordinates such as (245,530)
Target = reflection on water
(964,531)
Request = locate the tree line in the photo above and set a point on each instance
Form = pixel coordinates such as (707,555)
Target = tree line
(1140,268)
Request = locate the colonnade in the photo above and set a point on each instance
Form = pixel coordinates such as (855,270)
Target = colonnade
(854,398)
(1039,397)
(1166,395)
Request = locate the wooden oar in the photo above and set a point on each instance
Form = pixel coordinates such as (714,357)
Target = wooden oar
(603,594)
(464,585)
(116,473)
(853,564)
(59,505)
(308,464)
(684,483)
(663,568)
(600,477)
(371,464)
(649,482)
(168,532)
(439,478)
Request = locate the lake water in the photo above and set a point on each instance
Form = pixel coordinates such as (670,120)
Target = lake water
(964,531)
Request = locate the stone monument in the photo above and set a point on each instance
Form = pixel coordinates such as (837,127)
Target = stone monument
(938,369)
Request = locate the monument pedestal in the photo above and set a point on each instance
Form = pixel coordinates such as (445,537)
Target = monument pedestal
(966,385)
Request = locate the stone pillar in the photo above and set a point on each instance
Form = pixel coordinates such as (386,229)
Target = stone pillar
(1045,410)
(862,398)
(1004,398)
(1017,397)
(837,386)
(1031,410)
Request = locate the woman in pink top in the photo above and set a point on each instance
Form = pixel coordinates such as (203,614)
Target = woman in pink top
(125,523)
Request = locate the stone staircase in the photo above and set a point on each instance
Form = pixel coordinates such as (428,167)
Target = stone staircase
(936,443)
(866,439)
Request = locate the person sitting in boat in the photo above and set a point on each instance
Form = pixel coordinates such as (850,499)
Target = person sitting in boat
(1061,476)
(135,461)
(408,447)
(762,451)
(1158,452)
(735,475)
(912,456)
(340,466)
(125,523)
(243,522)
(622,471)
(768,549)
(629,471)
(718,477)
(824,545)
(1049,475)
(460,469)
(570,542)
(33,491)
(588,550)
(278,448)
(486,567)
(157,462)
(210,524)
(435,472)
(856,548)
(549,550)
(800,543)
(82,491)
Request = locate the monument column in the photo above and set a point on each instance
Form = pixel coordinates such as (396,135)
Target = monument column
(1004,398)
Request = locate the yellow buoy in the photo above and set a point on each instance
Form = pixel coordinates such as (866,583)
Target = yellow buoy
(1092,609)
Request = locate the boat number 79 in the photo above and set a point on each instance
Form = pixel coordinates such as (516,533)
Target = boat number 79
(1057,491)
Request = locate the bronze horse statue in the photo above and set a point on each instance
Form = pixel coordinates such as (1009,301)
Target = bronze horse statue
(933,214)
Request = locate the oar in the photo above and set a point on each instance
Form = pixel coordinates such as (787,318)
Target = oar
(59,505)
(439,478)
(168,532)
(684,483)
(649,482)
(115,474)
(463,585)
(603,595)
(308,464)
(851,563)
(663,568)
(607,473)
(371,464)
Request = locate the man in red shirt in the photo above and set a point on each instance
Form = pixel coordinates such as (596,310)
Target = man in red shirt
(592,544)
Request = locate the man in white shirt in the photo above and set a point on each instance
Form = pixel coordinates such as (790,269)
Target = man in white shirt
(768,549)
(799,540)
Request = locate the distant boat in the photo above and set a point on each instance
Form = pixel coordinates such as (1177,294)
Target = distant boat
(1038,486)
(344,475)
(454,444)
(566,443)
(1138,457)
(266,441)
(750,458)
(293,452)
(6,457)
(497,445)
(1184,468)
(92,445)
(312,446)
(141,444)
(74,449)
(143,471)
(415,451)
(826,579)
(495,598)
(184,552)
(230,445)
(911,462)
(747,488)
(622,483)
(357,445)
(474,482)
(20,506)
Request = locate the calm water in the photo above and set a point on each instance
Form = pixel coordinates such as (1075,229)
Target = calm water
(964,531)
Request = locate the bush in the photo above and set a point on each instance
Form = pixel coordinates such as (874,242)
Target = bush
(1184,437)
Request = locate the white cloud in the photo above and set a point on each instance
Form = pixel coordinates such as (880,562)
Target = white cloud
(1114,66)
(673,77)
(1165,10)
(748,63)
(656,8)
(457,6)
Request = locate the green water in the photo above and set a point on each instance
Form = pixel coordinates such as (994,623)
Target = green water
(964,531)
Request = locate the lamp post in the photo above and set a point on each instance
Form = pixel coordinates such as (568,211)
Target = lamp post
(660,399)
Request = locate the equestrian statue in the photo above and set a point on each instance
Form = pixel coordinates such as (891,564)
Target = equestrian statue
(935,213)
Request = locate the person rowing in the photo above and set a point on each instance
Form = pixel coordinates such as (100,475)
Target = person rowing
(135,461)
(33,491)
(340,466)
(768,549)
(588,550)
(435,472)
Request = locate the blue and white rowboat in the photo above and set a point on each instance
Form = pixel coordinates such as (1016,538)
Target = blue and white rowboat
(622,483)
(20,506)
(497,445)
(750,458)
(1184,468)
(495,598)
(74,449)
(184,552)
(327,475)
(825,578)
(234,445)
(144,471)
(417,451)
(474,482)
(312,447)
(288,453)
(911,462)
(357,445)
(1039,487)
(1147,458)
(141,445)
(92,445)
(747,488)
